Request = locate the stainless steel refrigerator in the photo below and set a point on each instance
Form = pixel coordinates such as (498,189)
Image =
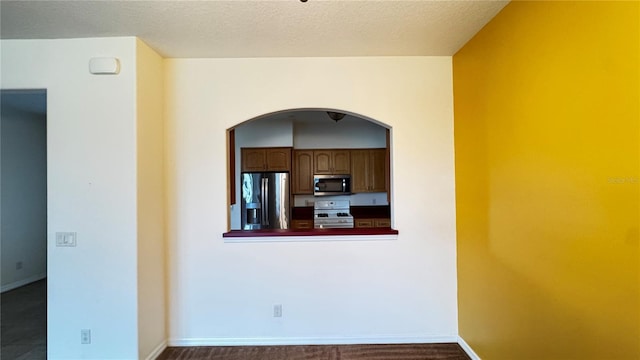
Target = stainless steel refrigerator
(265,200)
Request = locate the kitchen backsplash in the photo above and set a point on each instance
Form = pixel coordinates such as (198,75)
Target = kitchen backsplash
(363,199)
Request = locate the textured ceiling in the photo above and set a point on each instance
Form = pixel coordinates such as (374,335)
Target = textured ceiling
(267,28)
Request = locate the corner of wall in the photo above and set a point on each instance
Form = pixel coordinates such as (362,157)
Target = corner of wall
(151,204)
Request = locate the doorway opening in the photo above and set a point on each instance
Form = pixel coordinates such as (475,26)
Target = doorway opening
(23,223)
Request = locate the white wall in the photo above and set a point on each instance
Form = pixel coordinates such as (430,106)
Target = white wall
(152,330)
(91,185)
(24,195)
(264,133)
(350,132)
(331,291)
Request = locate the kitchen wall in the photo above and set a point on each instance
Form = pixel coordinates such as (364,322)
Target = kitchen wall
(92,189)
(265,132)
(316,130)
(23,240)
(331,291)
(363,199)
(548,182)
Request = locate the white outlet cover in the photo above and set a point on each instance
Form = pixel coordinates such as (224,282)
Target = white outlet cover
(277,310)
(85,336)
(66,239)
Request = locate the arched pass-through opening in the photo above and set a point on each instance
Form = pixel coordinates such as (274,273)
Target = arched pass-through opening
(306,143)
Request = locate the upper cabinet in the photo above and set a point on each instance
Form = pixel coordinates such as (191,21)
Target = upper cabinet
(368,167)
(266,159)
(332,161)
(368,170)
(302,176)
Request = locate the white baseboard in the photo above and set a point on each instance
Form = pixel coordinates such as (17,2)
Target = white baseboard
(463,344)
(261,341)
(157,351)
(23,282)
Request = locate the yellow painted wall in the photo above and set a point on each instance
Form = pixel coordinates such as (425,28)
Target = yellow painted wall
(546,104)
(152,305)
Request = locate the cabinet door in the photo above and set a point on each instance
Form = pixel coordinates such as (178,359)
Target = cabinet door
(379,223)
(278,159)
(302,224)
(322,162)
(302,172)
(368,170)
(253,159)
(363,223)
(341,161)
(359,165)
(377,170)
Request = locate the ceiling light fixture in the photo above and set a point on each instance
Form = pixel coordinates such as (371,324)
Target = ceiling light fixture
(335,116)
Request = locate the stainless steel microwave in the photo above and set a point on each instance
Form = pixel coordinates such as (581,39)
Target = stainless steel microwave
(325,185)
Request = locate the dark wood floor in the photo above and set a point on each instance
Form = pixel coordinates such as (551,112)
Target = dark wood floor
(23,336)
(316,352)
(23,328)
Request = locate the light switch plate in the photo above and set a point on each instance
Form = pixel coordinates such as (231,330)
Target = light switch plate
(68,239)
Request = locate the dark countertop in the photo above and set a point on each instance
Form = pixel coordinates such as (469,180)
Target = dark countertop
(310,232)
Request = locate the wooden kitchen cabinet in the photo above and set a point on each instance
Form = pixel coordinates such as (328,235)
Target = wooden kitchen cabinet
(266,159)
(331,161)
(372,223)
(363,223)
(368,170)
(301,224)
(382,223)
(302,174)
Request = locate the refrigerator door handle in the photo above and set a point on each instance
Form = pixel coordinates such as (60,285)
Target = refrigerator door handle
(265,200)
(262,207)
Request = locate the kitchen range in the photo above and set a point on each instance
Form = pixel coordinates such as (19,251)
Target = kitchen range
(332,214)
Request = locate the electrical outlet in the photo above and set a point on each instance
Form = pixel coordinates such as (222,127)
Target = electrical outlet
(19,265)
(85,336)
(277,310)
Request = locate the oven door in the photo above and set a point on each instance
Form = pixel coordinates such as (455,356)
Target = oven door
(324,185)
